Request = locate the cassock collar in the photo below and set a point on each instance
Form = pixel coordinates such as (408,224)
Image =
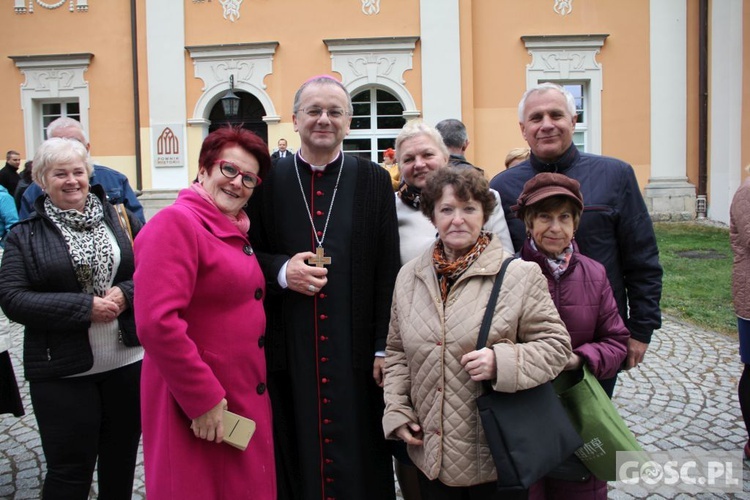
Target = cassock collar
(560,165)
(318,168)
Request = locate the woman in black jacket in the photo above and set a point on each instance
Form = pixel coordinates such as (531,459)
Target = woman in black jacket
(66,275)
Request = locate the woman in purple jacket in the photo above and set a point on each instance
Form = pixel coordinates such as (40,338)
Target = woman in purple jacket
(550,206)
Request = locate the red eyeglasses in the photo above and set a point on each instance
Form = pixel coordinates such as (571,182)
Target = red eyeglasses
(230,171)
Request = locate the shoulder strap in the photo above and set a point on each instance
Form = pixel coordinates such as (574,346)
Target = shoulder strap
(484,330)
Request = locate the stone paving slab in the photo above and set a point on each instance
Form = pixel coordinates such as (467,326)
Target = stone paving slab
(683,396)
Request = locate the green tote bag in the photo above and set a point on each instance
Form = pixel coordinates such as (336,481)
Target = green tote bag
(596,419)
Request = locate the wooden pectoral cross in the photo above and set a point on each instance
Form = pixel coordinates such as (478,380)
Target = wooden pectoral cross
(320,260)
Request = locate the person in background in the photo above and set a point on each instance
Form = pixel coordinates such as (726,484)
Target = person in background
(456,139)
(516,156)
(550,206)
(10,398)
(420,150)
(390,164)
(739,235)
(67,276)
(116,185)
(24,183)
(9,173)
(281,152)
(435,304)
(615,228)
(200,318)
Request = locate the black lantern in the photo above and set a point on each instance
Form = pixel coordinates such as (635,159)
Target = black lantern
(230,102)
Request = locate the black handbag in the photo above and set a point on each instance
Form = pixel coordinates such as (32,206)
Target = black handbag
(528,432)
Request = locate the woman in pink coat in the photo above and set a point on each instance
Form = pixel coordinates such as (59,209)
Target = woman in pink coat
(201,321)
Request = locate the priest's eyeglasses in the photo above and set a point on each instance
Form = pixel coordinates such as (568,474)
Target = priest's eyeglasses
(316,112)
(230,171)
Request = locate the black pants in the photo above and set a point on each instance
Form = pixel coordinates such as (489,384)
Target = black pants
(82,418)
(436,490)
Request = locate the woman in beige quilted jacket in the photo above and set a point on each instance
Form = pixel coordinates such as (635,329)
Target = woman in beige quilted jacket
(433,373)
(739,234)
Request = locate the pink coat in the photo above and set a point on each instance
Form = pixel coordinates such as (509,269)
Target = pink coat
(200,318)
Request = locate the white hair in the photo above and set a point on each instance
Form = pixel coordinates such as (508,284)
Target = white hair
(546,87)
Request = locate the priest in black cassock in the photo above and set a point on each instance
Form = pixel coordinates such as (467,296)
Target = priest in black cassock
(326,235)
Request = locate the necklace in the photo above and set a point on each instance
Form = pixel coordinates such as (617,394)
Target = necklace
(320,259)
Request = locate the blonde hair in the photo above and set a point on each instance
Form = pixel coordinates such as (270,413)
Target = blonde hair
(516,154)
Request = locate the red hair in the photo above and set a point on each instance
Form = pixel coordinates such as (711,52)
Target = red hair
(226,137)
(390,153)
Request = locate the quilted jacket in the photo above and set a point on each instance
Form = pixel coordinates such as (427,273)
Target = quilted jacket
(39,289)
(424,380)
(739,235)
(584,299)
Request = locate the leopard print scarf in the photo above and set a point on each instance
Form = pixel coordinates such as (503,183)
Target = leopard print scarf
(88,243)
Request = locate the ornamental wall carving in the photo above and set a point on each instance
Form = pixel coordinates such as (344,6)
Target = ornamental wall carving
(73,5)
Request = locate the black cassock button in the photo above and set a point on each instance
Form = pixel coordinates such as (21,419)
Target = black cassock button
(258,293)
(247,249)
(261,388)
(261,341)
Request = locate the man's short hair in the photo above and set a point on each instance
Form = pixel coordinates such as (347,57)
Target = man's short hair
(322,80)
(546,87)
(11,153)
(66,122)
(453,132)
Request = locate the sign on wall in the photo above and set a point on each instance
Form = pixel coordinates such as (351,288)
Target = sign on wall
(168,143)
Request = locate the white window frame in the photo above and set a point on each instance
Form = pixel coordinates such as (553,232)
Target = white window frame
(571,59)
(51,78)
(374,133)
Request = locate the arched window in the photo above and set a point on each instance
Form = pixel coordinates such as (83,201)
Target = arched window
(378,118)
(250,116)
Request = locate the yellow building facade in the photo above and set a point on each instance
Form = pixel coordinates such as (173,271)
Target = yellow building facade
(146,78)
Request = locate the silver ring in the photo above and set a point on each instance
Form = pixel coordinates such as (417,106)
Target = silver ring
(311,288)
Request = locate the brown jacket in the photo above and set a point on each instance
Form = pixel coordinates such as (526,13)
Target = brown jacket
(739,235)
(424,380)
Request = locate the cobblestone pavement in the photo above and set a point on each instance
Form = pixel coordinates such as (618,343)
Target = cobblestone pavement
(683,396)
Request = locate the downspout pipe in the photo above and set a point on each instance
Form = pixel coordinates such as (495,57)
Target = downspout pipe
(703,98)
(136,95)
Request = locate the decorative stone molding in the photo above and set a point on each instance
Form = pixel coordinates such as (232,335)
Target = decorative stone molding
(74,5)
(380,62)
(250,63)
(231,9)
(370,7)
(563,7)
(570,57)
(54,77)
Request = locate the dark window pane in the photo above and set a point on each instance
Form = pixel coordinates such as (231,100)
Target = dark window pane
(362,97)
(396,122)
(51,108)
(384,95)
(390,108)
(73,108)
(361,123)
(362,109)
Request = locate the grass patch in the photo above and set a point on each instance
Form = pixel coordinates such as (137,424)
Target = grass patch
(697,262)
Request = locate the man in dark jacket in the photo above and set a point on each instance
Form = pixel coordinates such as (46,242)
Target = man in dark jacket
(615,229)
(456,139)
(9,173)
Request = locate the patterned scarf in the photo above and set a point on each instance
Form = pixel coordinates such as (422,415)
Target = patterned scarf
(558,264)
(448,272)
(241,221)
(409,195)
(88,243)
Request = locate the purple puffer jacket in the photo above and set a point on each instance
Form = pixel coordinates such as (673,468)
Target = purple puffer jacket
(586,304)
